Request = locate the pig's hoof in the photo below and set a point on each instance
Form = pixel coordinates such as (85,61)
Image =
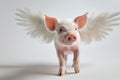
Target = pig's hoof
(77,69)
(62,72)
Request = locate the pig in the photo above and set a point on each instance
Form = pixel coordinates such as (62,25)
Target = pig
(67,38)
(68,33)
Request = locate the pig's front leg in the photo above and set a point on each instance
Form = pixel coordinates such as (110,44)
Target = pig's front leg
(76,64)
(62,62)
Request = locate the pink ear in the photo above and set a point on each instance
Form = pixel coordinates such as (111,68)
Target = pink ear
(50,22)
(81,20)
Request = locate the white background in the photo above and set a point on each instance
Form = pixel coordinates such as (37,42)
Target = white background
(24,58)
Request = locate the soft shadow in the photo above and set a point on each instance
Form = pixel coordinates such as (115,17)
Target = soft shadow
(21,71)
(42,70)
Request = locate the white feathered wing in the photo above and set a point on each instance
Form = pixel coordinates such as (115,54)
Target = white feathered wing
(97,27)
(34,24)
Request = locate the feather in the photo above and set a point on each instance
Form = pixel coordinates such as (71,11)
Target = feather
(34,24)
(98,27)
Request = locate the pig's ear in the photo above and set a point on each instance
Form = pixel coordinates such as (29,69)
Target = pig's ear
(50,22)
(81,20)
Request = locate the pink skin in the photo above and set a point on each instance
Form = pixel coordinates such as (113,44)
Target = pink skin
(68,40)
(63,58)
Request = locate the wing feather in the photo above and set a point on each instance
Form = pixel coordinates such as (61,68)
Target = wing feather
(34,24)
(98,27)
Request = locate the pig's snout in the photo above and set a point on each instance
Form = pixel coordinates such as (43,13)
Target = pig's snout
(71,38)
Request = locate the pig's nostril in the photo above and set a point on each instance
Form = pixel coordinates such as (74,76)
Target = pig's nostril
(74,38)
(69,38)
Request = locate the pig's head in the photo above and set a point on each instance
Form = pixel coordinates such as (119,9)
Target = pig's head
(66,30)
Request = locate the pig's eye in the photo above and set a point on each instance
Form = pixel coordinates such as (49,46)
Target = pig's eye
(62,29)
(76,29)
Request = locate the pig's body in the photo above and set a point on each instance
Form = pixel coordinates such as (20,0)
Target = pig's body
(63,49)
(67,33)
